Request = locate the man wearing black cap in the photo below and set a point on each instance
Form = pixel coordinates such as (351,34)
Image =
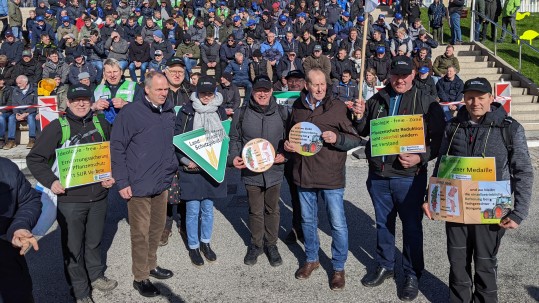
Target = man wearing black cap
(261,115)
(316,60)
(230,92)
(78,66)
(288,63)
(481,120)
(180,89)
(397,183)
(12,48)
(81,210)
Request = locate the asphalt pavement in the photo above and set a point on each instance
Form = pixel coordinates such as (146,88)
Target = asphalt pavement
(229,280)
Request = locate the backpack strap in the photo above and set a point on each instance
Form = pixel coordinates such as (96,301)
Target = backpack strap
(239,126)
(66,130)
(507,135)
(98,127)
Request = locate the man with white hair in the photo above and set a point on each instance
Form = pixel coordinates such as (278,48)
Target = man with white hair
(240,68)
(23,94)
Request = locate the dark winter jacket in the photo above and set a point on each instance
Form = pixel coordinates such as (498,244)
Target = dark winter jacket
(13,51)
(345,91)
(164,46)
(381,66)
(32,69)
(196,185)
(75,70)
(268,123)
(326,169)
(231,96)
(450,90)
(284,66)
(427,85)
(21,204)
(182,95)
(339,66)
(413,102)
(227,53)
(209,53)
(141,148)
(486,139)
(50,139)
(139,52)
(131,32)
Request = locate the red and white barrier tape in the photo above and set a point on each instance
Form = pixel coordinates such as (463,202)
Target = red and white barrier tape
(25,106)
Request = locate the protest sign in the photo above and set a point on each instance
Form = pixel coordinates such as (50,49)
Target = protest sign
(206,150)
(467,168)
(305,138)
(286,98)
(397,134)
(83,164)
(258,155)
(49,112)
(469,202)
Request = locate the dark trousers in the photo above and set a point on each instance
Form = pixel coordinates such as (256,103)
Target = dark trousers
(294,197)
(147,216)
(204,70)
(82,230)
(479,243)
(264,213)
(402,196)
(180,209)
(15,280)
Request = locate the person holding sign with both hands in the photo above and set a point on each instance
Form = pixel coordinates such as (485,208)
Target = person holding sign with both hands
(397,181)
(261,118)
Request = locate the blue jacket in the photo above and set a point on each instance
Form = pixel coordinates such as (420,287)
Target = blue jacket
(227,53)
(30,98)
(272,52)
(197,185)
(141,148)
(21,204)
(3,8)
(37,31)
(450,90)
(241,72)
(13,51)
(343,28)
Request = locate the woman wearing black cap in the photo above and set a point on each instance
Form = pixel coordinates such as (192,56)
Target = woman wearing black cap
(198,188)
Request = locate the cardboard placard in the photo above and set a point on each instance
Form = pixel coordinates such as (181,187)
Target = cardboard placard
(306,138)
(83,164)
(258,155)
(467,168)
(397,134)
(469,202)
(205,150)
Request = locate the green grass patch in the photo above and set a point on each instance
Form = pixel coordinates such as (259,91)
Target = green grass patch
(507,51)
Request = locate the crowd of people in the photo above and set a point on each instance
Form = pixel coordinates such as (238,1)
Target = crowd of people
(305,46)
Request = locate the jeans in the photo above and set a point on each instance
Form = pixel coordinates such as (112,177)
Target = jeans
(12,126)
(123,64)
(17,32)
(456,34)
(199,211)
(4,118)
(402,196)
(132,73)
(98,64)
(248,87)
(448,114)
(189,64)
(308,198)
(477,30)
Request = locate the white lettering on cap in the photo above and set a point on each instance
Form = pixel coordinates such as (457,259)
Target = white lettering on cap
(477,83)
(402,63)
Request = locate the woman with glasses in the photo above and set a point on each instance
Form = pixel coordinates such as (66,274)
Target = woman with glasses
(198,189)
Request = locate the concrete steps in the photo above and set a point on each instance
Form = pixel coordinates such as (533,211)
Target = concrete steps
(466,70)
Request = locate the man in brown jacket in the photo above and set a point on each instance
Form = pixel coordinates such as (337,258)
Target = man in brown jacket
(316,60)
(323,173)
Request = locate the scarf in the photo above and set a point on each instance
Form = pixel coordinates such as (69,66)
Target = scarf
(206,117)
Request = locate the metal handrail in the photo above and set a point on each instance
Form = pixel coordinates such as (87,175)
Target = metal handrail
(515,37)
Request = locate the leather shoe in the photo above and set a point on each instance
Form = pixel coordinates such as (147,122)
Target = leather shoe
(146,288)
(377,278)
(196,257)
(306,270)
(161,273)
(410,289)
(208,253)
(337,282)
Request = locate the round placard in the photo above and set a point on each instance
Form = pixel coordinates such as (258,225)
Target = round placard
(306,138)
(258,155)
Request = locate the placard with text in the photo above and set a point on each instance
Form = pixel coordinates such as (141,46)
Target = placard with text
(83,164)
(397,135)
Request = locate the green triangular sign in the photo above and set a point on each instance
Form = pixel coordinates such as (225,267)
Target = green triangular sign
(210,156)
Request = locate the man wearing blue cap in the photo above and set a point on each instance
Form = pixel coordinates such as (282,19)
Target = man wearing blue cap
(395,25)
(382,26)
(41,28)
(302,25)
(160,43)
(282,27)
(12,48)
(424,81)
(343,26)
(381,64)
(359,26)
(66,28)
(50,19)
(237,30)
(255,30)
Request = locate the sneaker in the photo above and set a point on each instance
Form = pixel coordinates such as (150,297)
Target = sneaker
(208,253)
(85,300)
(273,255)
(31,143)
(10,144)
(252,254)
(164,237)
(104,284)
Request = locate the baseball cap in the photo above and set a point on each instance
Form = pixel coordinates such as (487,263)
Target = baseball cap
(242,9)
(137,10)
(478,84)
(158,33)
(83,75)
(346,14)
(40,18)
(211,10)
(381,16)
(206,84)
(175,61)
(295,74)
(398,16)
(77,53)
(360,19)
(65,19)
(236,18)
(283,18)
(9,33)
(158,52)
(317,47)
(422,32)
(380,50)
(251,22)
(401,65)
(302,14)
(262,81)
(79,91)
(275,5)
(27,53)
(49,11)
(331,32)
(424,70)
(228,76)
